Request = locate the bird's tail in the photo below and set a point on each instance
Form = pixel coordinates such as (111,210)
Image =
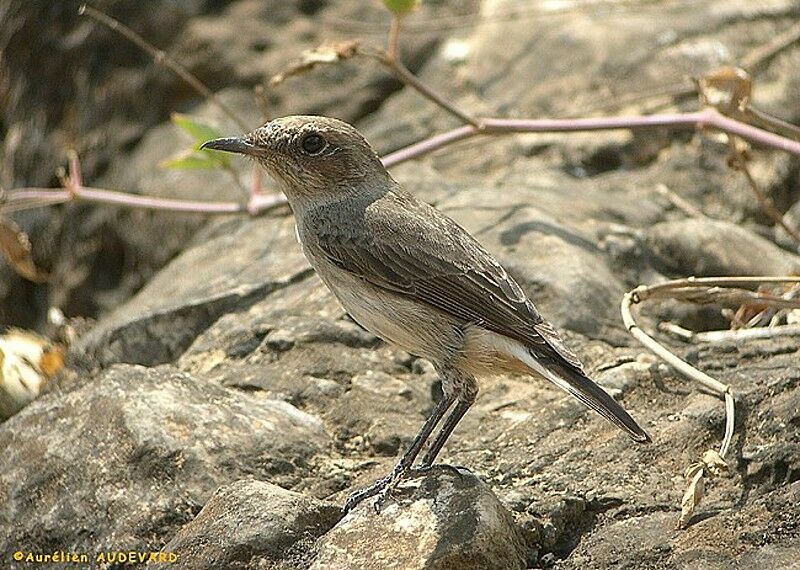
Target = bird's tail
(576,383)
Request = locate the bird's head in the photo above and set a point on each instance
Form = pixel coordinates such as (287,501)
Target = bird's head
(308,155)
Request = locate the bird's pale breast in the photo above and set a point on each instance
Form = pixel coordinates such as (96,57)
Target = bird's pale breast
(417,329)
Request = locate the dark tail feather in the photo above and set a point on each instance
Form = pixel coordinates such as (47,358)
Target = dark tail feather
(593,396)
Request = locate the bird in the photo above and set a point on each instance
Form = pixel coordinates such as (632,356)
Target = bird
(411,275)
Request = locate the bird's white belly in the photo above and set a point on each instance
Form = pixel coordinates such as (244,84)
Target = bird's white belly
(418,329)
(397,320)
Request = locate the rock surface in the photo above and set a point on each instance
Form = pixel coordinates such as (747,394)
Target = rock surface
(129,457)
(249,368)
(252,522)
(450,520)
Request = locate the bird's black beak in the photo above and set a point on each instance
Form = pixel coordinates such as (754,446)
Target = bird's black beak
(231,144)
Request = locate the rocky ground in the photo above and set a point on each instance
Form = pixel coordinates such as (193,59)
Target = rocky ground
(223,405)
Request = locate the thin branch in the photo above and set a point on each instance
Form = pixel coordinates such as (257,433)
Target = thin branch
(101,195)
(739,162)
(23,198)
(260,203)
(686,369)
(731,297)
(728,335)
(729,425)
(708,117)
(681,203)
(32,197)
(160,57)
(774,124)
(394,37)
(26,198)
(661,290)
(403,75)
(764,53)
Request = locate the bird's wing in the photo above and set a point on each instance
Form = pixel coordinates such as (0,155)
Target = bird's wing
(429,258)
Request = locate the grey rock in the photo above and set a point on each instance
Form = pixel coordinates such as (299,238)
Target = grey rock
(792,219)
(250,523)
(637,542)
(234,265)
(444,520)
(620,379)
(129,457)
(296,345)
(650,540)
(703,247)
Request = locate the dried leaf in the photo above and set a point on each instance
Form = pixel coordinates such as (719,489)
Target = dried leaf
(27,362)
(16,248)
(728,89)
(714,463)
(692,469)
(711,464)
(692,497)
(324,54)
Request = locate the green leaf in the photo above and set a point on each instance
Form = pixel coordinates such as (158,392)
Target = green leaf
(197,128)
(195,160)
(401,7)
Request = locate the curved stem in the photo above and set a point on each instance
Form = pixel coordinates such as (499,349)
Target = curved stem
(394,37)
(662,352)
(46,196)
(708,117)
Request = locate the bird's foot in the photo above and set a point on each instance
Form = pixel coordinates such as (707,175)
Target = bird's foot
(383,487)
(380,489)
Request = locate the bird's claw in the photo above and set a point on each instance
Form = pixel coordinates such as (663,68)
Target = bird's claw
(383,487)
(356,497)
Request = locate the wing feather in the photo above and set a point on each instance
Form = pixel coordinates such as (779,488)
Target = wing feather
(446,269)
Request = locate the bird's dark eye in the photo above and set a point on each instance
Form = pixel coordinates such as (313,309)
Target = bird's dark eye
(312,144)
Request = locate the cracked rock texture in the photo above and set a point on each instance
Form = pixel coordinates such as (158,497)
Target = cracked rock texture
(139,452)
(249,522)
(450,520)
(223,404)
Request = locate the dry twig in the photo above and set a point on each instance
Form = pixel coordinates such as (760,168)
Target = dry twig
(679,202)
(728,335)
(712,462)
(738,161)
(161,58)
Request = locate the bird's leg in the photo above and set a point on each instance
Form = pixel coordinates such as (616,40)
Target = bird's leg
(384,485)
(467,393)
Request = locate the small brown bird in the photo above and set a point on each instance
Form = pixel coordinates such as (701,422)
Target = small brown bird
(412,276)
